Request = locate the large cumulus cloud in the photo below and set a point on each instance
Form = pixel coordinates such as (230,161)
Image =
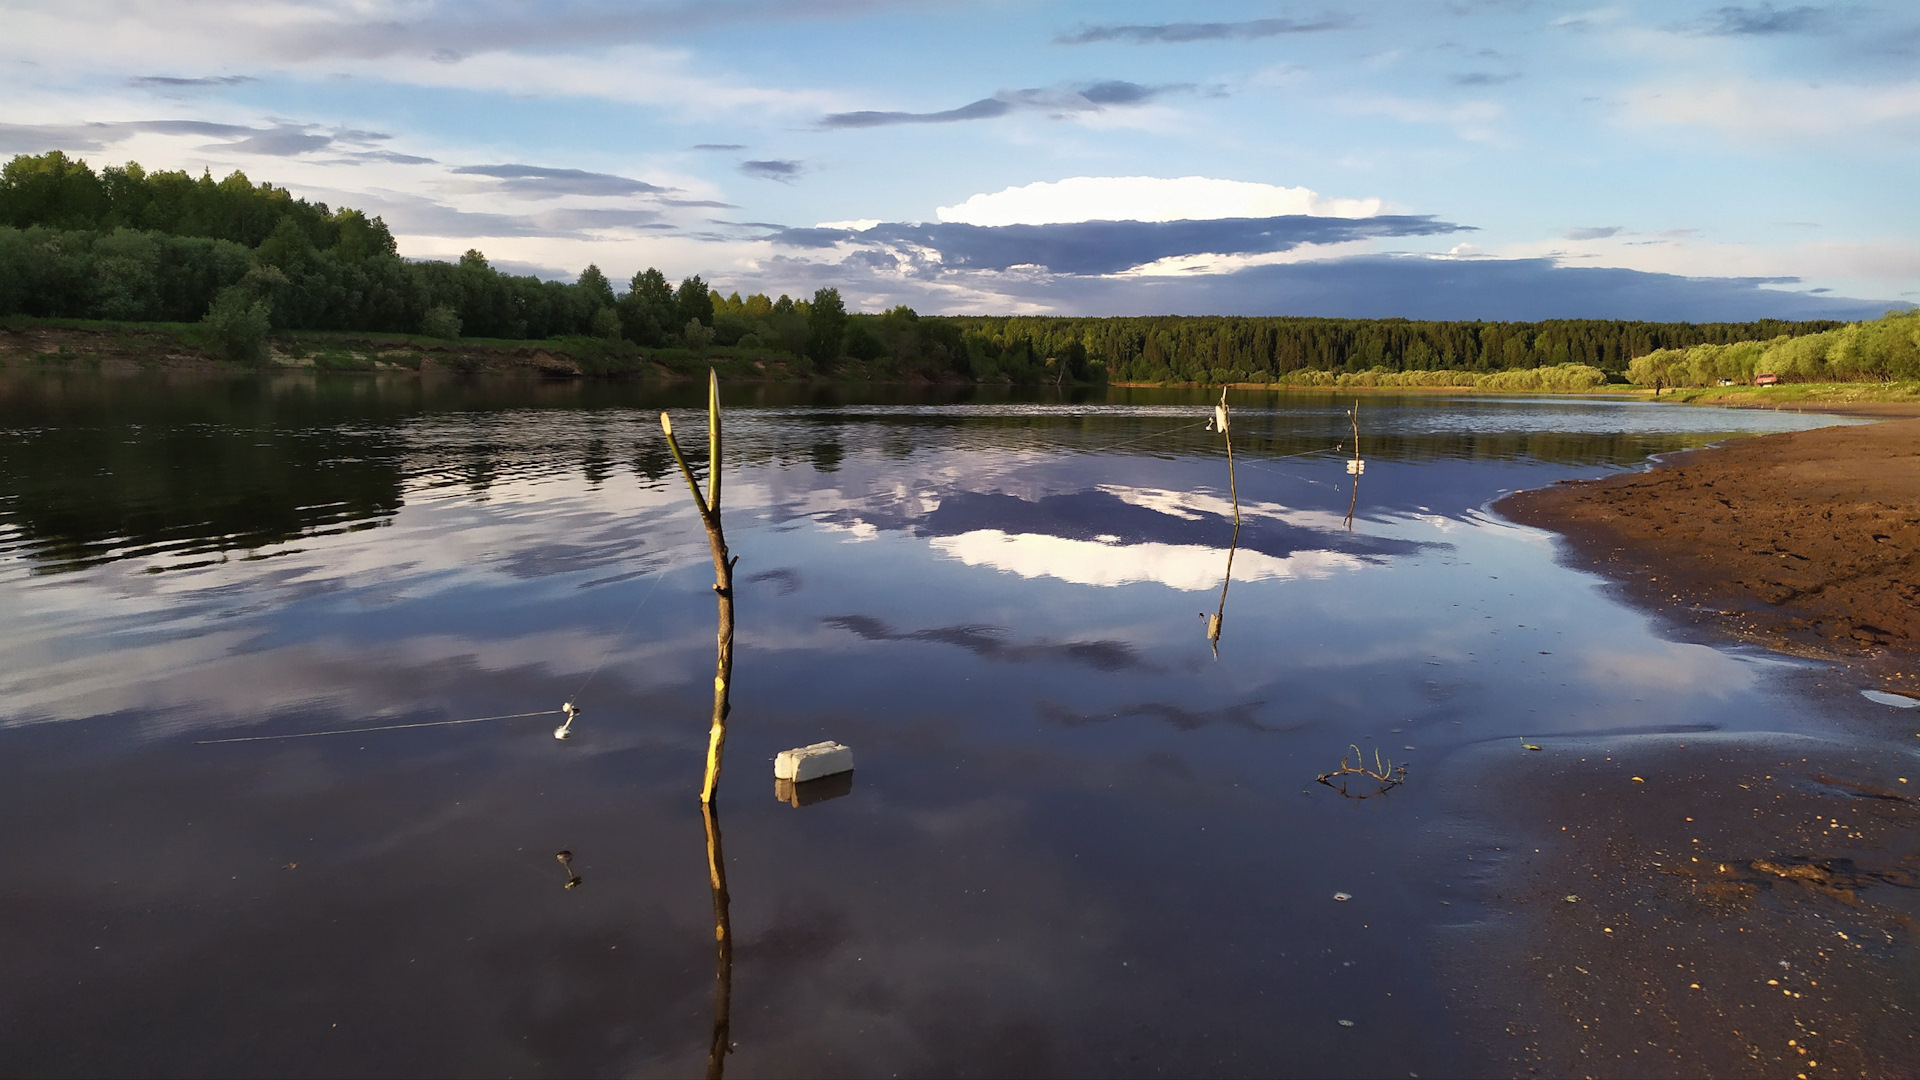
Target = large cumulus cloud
(1105,247)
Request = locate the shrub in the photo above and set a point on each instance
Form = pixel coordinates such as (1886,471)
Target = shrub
(440,321)
(236,326)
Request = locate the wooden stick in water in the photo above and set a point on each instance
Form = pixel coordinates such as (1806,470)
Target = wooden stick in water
(1222,419)
(709,508)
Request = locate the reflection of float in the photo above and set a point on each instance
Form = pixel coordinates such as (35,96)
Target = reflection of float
(808,792)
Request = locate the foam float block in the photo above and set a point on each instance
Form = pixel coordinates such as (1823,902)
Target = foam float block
(812,762)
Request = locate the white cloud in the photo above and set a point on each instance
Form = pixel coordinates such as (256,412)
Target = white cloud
(1186,567)
(1474,121)
(1215,263)
(1880,261)
(377,44)
(1758,110)
(1147,198)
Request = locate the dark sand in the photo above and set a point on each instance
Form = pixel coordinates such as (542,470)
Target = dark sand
(1806,542)
(1746,906)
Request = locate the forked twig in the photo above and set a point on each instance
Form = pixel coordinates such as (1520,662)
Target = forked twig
(1384,773)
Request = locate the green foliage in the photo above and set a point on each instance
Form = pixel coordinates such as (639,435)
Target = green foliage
(594,289)
(236,326)
(55,191)
(1553,379)
(51,189)
(692,302)
(602,356)
(826,328)
(697,336)
(1877,350)
(440,321)
(1194,349)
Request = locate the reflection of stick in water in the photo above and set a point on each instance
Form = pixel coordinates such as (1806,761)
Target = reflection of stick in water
(566,863)
(722,577)
(1222,422)
(1220,615)
(1356,466)
(719,1046)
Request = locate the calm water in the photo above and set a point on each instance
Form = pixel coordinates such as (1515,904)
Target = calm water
(1076,842)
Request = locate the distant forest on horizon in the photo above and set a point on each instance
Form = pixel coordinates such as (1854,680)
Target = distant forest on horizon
(128,245)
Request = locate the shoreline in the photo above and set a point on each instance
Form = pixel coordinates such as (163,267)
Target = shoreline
(1804,542)
(1720,903)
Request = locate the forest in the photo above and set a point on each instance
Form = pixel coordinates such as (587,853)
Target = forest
(1876,350)
(245,260)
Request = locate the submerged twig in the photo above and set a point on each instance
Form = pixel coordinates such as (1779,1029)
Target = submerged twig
(1384,773)
(709,507)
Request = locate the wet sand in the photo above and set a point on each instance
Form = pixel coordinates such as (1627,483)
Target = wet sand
(1719,903)
(1745,908)
(1806,542)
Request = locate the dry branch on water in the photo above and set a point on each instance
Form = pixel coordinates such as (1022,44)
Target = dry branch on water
(1383,773)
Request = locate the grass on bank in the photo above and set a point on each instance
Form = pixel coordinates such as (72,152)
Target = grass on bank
(1800,394)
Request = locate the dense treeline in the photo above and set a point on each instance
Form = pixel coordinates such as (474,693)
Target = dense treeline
(1879,349)
(1262,349)
(245,258)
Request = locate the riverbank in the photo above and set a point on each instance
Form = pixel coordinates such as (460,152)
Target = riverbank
(1714,903)
(1806,542)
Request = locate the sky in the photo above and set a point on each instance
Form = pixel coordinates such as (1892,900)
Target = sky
(1503,159)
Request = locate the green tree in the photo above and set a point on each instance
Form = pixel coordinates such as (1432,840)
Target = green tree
(594,288)
(50,189)
(647,310)
(692,301)
(826,327)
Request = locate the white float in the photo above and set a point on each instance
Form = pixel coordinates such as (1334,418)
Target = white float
(812,762)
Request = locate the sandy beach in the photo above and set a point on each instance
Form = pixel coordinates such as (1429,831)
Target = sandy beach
(1806,542)
(1716,903)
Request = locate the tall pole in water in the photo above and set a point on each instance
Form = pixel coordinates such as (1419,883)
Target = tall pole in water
(709,507)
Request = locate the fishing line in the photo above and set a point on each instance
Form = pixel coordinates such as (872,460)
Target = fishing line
(382,727)
(658,576)
(1143,438)
(1335,449)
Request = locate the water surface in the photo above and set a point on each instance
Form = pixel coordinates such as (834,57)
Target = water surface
(1078,841)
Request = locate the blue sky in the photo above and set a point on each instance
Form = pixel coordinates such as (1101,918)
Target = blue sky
(1434,160)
